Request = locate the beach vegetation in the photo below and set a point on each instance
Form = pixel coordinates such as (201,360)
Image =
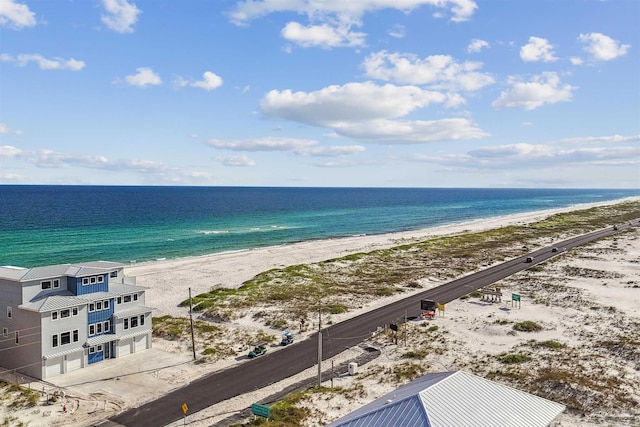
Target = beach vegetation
(527,326)
(549,344)
(511,358)
(404,372)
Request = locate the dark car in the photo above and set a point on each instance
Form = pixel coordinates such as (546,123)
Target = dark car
(529,259)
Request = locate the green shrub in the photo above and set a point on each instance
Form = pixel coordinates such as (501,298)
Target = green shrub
(512,358)
(527,326)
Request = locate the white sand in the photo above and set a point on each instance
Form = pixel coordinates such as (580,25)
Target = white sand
(470,328)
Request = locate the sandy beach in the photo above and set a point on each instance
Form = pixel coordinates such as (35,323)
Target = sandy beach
(578,299)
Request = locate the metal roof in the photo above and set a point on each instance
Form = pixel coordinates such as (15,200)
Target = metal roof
(133,311)
(121,289)
(51,271)
(455,399)
(64,299)
(63,352)
(101,339)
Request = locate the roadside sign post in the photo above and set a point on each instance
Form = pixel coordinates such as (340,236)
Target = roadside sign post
(260,410)
(185,408)
(441,308)
(516,298)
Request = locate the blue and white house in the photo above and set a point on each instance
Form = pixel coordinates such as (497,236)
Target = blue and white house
(60,318)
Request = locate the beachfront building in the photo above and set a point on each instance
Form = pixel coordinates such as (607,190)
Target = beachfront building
(452,399)
(60,318)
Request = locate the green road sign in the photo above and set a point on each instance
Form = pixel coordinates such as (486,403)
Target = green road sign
(260,410)
(515,297)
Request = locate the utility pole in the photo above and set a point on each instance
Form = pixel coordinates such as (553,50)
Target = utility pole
(193,340)
(406,328)
(319,345)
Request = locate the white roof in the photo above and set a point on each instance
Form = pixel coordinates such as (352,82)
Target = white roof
(454,399)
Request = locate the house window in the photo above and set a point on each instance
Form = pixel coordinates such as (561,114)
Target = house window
(92,350)
(99,347)
(65,313)
(92,307)
(54,340)
(106,326)
(119,300)
(92,280)
(113,274)
(141,319)
(46,284)
(85,281)
(99,328)
(17,338)
(105,304)
(56,283)
(54,315)
(135,297)
(100,279)
(75,335)
(127,298)
(74,311)
(126,323)
(92,329)
(65,338)
(99,305)
(5,332)
(134,322)
(9,312)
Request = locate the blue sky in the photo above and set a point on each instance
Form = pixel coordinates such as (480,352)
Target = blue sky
(366,93)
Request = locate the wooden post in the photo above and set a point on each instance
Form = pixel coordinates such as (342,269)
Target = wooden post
(193,340)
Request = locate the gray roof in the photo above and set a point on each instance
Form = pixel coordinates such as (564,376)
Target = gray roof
(121,289)
(133,311)
(454,399)
(64,299)
(51,271)
(63,352)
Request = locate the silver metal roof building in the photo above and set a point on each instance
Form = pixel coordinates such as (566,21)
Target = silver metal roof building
(454,399)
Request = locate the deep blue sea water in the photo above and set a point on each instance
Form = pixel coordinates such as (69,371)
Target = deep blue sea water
(43,225)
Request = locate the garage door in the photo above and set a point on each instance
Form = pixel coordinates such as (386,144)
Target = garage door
(124,347)
(74,361)
(54,366)
(141,343)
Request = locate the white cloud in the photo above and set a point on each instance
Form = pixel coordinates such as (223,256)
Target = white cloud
(529,156)
(323,35)
(576,60)
(156,171)
(538,49)
(602,139)
(238,161)
(602,47)
(477,45)
(527,124)
(461,10)
(16,15)
(542,89)
(439,71)
(364,110)
(411,132)
(144,77)
(6,130)
(397,31)
(304,147)
(120,15)
(263,144)
(209,81)
(44,63)
(12,177)
(336,104)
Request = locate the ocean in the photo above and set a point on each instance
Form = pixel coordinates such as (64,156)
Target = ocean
(44,225)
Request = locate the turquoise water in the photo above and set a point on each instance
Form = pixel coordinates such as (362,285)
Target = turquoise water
(42,225)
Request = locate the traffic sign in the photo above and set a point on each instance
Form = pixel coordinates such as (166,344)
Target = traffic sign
(260,410)
(185,408)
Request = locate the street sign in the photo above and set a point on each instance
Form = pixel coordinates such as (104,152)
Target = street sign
(260,410)
(515,297)
(185,408)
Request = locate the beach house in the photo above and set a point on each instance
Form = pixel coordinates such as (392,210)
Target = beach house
(60,318)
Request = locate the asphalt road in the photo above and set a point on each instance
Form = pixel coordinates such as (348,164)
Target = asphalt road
(276,366)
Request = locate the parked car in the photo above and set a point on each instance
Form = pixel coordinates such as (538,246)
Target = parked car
(259,348)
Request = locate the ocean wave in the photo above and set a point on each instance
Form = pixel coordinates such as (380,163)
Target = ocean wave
(213,231)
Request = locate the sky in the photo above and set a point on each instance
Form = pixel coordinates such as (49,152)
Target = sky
(321,93)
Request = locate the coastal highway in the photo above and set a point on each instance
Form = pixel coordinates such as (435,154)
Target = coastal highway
(273,367)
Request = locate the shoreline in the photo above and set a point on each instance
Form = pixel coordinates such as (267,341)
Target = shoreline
(168,281)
